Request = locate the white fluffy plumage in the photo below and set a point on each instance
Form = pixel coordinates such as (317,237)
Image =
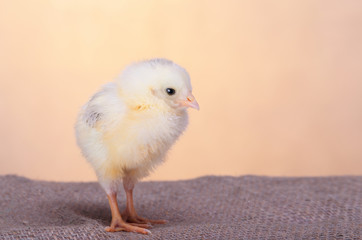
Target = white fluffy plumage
(127,127)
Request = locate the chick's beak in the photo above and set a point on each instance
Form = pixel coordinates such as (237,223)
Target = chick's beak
(190,102)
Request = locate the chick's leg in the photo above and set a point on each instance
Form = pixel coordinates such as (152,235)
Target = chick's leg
(117,223)
(129,214)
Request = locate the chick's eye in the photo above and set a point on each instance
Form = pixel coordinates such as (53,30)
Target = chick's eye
(170,91)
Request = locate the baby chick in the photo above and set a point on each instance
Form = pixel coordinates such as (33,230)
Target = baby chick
(126,128)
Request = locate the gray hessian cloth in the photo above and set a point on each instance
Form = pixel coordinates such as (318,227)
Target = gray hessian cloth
(247,207)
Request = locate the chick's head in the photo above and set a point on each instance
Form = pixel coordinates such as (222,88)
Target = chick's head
(158,80)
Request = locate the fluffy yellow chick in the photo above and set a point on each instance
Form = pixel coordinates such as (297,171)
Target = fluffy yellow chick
(126,128)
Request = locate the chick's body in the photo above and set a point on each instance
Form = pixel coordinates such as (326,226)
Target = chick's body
(126,139)
(127,127)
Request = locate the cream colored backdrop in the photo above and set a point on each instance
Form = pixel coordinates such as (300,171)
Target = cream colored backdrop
(279,82)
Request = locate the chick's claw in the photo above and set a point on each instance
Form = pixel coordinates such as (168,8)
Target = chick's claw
(133,218)
(141,220)
(121,226)
(153,221)
(142,225)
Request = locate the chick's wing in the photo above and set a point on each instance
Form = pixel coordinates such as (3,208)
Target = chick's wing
(104,109)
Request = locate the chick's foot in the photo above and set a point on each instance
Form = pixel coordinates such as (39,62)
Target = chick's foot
(118,225)
(129,214)
(135,219)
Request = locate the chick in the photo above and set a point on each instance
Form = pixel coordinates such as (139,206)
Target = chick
(127,127)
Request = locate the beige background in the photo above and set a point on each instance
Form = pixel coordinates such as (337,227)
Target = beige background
(279,82)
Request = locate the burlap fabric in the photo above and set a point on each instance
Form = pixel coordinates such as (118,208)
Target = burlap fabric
(246,207)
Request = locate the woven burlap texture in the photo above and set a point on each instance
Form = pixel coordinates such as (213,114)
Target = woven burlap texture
(247,207)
